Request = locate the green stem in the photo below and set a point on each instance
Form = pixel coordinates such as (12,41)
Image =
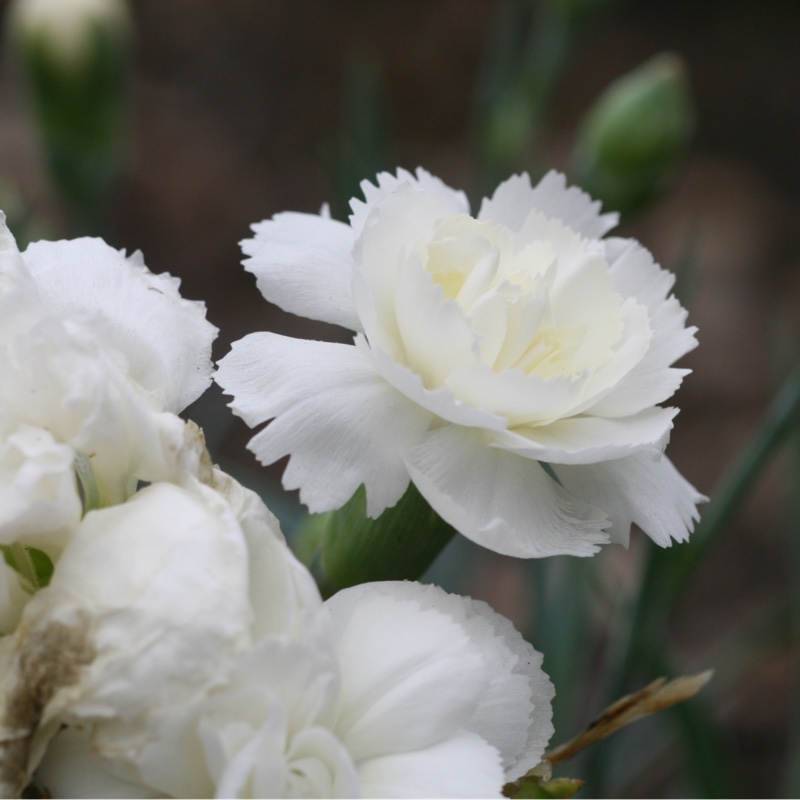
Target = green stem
(773,430)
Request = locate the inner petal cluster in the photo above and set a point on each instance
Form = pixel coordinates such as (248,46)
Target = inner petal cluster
(539,302)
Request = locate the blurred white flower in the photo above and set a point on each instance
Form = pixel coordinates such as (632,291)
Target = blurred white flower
(97,356)
(188,654)
(510,365)
(65,30)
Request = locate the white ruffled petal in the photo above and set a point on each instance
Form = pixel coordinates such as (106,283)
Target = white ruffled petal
(500,500)
(304,264)
(644,488)
(652,380)
(39,501)
(388,183)
(441,402)
(163,579)
(514,713)
(514,199)
(283,595)
(395,229)
(515,396)
(462,766)
(587,440)
(410,676)
(59,377)
(340,422)
(166,339)
(18,293)
(72,768)
(435,335)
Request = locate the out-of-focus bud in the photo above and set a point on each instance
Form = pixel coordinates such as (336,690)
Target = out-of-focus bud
(631,140)
(74,56)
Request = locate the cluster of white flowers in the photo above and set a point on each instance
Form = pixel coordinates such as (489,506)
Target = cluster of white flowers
(510,365)
(159,638)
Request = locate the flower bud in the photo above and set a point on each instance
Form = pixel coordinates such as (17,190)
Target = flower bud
(634,135)
(74,58)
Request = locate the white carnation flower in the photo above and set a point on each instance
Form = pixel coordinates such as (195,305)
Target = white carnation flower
(147,608)
(510,365)
(188,654)
(97,356)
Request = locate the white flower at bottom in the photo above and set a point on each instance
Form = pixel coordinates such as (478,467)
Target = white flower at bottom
(202,662)
(402,691)
(510,365)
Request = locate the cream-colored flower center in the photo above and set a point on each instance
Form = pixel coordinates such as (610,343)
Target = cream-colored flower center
(536,307)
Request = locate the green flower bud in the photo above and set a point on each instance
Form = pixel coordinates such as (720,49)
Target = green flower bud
(74,57)
(631,140)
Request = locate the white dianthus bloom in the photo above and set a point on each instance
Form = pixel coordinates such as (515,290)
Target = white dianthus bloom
(97,356)
(510,365)
(201,661)
(147,609)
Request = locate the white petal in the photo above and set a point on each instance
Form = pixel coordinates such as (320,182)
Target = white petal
(440,402)
(514,199)
(60,377)
(644,488)
(502,501)
(518,397)
(652,380)
(166,339)
(395,230)
(388,183)
(587,440)
(304,264)
(163,579)
(264,732)
(340,422)
(71,768)
(411,677)
(283,595)
(436,336)
(39,501)
(258,735)
(463,766)
(320,766)
(18,292)
(514,713)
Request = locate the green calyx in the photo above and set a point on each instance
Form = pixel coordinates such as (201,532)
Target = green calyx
(345,547)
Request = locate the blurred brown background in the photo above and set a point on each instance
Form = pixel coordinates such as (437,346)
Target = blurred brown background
(237,108)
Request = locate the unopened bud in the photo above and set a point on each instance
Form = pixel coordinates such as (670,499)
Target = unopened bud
(631,140)
(74,56)
(65,29)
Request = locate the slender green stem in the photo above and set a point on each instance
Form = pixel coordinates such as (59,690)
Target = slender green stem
(526,55)
(773,430)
